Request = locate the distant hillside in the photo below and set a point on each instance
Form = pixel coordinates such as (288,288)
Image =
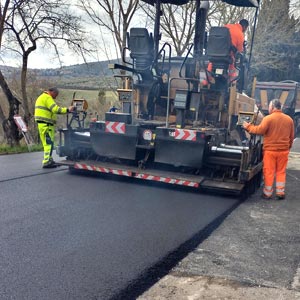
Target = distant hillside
(92,75)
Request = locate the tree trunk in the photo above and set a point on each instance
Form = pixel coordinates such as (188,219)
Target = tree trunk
(27,112)
(10,129)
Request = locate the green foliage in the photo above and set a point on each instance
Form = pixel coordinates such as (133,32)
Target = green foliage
(6,149)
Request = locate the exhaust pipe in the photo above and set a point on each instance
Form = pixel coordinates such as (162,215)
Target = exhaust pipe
(202,8)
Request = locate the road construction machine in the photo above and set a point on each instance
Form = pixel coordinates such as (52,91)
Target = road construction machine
(171,127)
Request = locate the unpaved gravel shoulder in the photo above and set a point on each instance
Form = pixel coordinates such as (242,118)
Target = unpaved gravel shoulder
(254,254)
(208,288)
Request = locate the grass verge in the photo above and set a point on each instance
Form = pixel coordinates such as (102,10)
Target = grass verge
(6,149)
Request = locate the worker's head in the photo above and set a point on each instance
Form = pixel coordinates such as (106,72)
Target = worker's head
(274,104)
(53,91)
(244,23)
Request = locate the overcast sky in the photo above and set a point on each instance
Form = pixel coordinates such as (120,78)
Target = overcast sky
(43,58)
(46,58)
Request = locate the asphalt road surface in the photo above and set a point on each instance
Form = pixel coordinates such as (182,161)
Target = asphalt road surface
(66,236)
(254,254)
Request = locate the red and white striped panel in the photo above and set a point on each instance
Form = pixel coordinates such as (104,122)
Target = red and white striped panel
(185,134)
(167,180)
(115,127)
(137,175)
(102,169)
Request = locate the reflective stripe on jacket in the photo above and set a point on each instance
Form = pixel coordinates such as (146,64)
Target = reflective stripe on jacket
(46,109)
(277,129)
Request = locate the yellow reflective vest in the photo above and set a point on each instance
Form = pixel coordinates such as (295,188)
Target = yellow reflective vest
(46,109)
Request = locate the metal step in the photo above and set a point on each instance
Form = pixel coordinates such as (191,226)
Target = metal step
(135,172)
(188,180)
(222,185)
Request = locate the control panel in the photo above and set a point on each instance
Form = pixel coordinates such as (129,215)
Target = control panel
(245,117)
(80,105)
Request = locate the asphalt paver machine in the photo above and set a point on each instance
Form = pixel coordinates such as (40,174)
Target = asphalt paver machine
(171,127)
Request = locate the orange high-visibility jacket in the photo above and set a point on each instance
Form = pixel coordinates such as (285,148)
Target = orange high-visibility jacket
(237,36)
(277,129)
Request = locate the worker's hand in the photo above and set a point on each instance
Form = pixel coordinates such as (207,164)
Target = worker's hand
(71,108)
(245,125)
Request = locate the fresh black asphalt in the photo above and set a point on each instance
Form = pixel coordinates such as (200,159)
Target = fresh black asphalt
(66,236)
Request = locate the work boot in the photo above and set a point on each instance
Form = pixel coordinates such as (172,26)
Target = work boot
(280,197)
(49,164)
(52,160)
(265,197)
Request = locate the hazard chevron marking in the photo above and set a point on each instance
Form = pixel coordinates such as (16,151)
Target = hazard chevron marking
(102,169)
(115,127)
(185,134)
(167,180)
(137,175)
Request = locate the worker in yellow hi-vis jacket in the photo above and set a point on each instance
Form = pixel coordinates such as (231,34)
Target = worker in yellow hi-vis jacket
(45,114)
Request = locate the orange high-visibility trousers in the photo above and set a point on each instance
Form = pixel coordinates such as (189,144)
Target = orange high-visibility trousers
(274,165)
(209,69)
(232,71)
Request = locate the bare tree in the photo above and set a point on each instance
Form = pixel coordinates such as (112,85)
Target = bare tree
(112,15)
(26,25)
(9,127)
(221,13)
(295,12)
(178,25)
(177,22)
(3,12)
(275,55)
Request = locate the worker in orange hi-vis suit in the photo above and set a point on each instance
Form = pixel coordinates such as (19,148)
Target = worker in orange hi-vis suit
(237,40)
(277,129)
